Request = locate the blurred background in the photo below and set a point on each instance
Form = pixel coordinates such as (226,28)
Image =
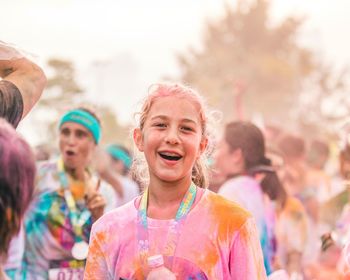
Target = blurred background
(277,62)
(282,64)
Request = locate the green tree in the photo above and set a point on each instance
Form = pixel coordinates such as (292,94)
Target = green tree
(248,64)
(62,86)
(113,131)
(325,104)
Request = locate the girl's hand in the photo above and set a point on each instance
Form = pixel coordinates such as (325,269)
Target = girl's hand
(95,202)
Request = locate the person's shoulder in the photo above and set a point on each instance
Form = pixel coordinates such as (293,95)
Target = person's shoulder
(218,200)
(47,179)
(226,210)
(118,217)
(240,182)
(247,181)
(293,205)
(46,166)
(242,189)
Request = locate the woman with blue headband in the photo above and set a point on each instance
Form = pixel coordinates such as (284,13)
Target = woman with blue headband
(67,202)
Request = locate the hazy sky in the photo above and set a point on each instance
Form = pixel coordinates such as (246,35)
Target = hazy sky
(135,42)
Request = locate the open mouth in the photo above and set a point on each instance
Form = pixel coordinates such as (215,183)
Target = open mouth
(172,157)
(70,153)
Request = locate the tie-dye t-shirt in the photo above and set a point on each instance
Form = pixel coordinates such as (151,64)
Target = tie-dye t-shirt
(218,240)
(49,232)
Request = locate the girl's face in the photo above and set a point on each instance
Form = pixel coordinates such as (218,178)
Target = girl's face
(76,145)
(227,161)
(171,139)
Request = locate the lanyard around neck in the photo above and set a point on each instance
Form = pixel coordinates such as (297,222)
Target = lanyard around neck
(77,220)
(174,231)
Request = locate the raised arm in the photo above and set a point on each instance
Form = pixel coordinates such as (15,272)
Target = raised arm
(27,77)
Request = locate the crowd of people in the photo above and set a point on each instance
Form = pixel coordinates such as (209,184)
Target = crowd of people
(253,203)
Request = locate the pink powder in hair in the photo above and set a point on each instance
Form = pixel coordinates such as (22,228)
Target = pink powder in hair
(17,172)
(164,90)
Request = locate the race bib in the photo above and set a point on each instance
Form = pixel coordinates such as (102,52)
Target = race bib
(66,270)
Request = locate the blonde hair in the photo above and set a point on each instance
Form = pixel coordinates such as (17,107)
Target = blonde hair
(200,169)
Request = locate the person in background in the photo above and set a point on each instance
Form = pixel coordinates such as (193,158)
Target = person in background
(121,157)
(342,228)
(317,157)
(199,234)
(21,85)
(293,150)
(67,201)
(295,178)
(121,160)
(17,173)
(336,211)
(241,160)
(291,220)
(328,265)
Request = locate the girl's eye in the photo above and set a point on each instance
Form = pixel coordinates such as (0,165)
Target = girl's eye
(161,125)
(187,128)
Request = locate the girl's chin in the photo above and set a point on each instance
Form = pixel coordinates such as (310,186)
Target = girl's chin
(169,177)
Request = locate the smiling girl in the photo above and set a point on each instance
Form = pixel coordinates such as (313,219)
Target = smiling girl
(199,234)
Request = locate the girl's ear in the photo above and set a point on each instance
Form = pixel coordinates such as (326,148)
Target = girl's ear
(202,146)
(138,139)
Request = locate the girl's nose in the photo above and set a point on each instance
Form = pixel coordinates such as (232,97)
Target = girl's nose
(172,137)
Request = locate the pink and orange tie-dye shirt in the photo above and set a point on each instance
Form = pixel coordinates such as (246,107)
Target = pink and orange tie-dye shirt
(218,240)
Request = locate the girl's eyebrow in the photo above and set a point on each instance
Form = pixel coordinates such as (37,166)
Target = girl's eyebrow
(189,121)
(160,117)
(163,117)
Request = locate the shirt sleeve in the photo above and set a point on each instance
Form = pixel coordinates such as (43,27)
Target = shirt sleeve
(11,102)
(246,260)
(96,263)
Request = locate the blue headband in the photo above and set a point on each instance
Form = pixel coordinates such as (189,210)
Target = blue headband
(119,154)
(85,119)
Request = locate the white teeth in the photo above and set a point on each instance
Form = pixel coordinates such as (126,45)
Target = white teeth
(170,154)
